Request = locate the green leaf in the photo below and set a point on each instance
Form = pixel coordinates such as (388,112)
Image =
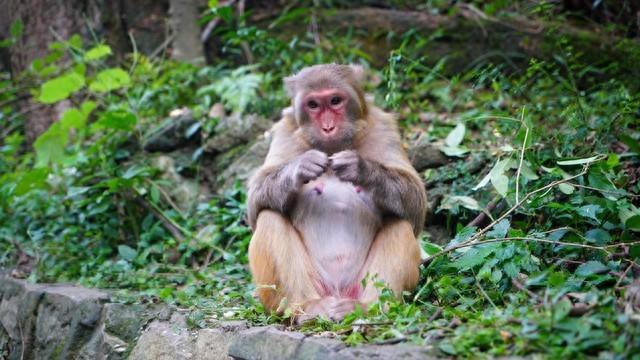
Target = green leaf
(72,118)
(500,182)
(496,275)
(578,161)
(97,52)
(633,223)
(33,179)
(632,143)
(110,79)
(499,230)
(557,278)
(430,248)
(75,41)
(456,136)
(126,252)
(591,268)
(468,202)
(511,269)
(17,28)
(118,120)
(454,150)
(87,107)
(61,87)
(590,211)
(474,257)
(566,188)
(50,145)
(598,236)
(561,309)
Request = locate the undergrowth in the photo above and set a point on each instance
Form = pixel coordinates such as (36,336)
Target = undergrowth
(550,269)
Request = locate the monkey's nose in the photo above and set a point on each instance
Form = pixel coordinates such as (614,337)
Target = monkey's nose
(328,129)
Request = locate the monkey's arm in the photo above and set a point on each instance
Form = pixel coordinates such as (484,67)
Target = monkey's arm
(396,191)
(271,188)
(287,166)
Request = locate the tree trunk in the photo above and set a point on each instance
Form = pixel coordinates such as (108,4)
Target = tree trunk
(184,16)
(44,21)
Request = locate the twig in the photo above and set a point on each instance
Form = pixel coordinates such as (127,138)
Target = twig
(162,46)
(523,288)
(524,145)
(213,22)
(245,46)
(602,190)
(486,212)
(167,198)
(166,222)
(477,236)
(435,315)
(486,296)
(622,276)
(314,23)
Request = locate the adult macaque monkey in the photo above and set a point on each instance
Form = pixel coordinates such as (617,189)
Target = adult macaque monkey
(336,200)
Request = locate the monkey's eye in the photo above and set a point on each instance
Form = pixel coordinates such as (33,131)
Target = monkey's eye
(336,100)
(312,104)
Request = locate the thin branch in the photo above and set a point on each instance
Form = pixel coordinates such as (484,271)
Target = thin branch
(477,236)
(521,287)
(622,276)
(486,212)
(486,296)
(524,145)
(175,230)
(602,190)
(162,46)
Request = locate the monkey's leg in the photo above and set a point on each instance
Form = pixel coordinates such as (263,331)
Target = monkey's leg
(394,258)
(278,256)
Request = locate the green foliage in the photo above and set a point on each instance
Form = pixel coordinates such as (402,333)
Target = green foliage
(552,146)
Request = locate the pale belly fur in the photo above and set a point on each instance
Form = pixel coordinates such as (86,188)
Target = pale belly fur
(338,222)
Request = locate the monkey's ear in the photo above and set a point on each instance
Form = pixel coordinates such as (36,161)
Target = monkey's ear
(290,85)
(359,73)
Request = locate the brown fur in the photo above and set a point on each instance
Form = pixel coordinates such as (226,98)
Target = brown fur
(278,255)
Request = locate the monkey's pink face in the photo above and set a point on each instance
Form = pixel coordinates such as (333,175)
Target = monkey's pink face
(327,110)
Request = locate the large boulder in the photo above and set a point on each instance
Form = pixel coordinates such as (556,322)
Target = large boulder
(244,166)
(236,129)
(175,132)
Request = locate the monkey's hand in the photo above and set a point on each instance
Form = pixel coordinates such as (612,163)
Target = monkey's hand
(345,165)
(309,166)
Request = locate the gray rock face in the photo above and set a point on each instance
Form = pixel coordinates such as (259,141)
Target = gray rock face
(50,321)
(69,322)
(165,341)
(246,164)
(235,130)
(173,133)
(424,155)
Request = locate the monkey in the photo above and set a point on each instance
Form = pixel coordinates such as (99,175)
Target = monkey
(336,203)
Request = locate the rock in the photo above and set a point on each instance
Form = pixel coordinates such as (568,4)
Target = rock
(70,322)
(244,166)
(265,343)
(424,155)
(174,133)
(399,352)
(127,320)
(213,344)
(234,130)
(318,348)
(165,341)
(184,191)
(50,321)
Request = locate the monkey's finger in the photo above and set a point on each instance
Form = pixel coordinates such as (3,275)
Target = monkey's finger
(315,168)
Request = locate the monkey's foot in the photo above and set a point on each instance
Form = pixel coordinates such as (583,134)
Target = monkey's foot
(330,307)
